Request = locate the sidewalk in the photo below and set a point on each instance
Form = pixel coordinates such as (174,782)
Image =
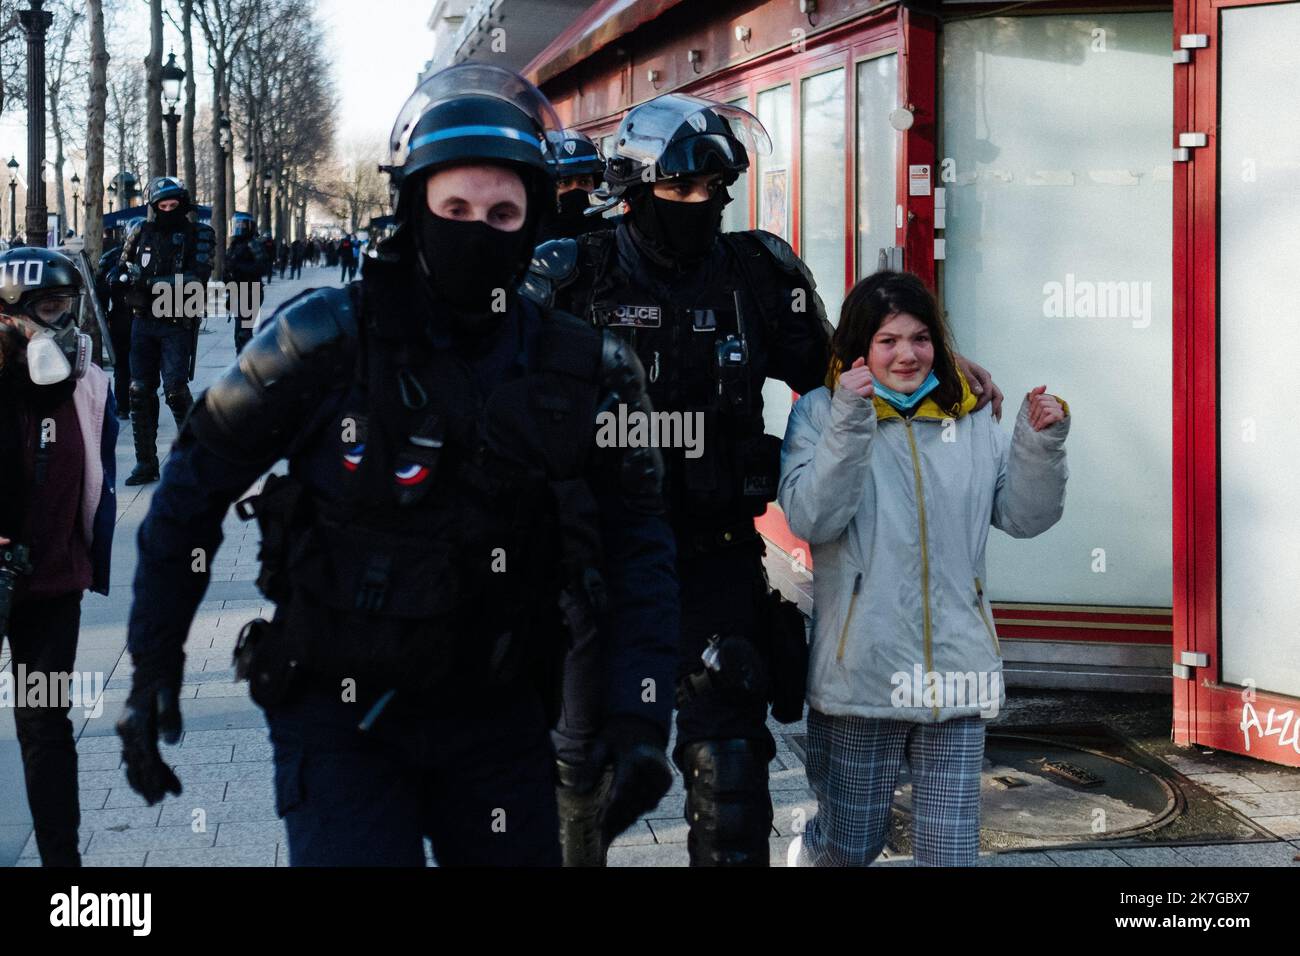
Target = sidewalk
(226,814)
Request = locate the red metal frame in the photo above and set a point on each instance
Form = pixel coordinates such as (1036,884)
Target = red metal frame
(1206,710)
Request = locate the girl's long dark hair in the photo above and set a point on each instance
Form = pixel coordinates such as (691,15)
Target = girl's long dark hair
(871,302)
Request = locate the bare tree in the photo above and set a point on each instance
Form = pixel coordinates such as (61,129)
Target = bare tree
(225,25)
(64,73)
(95,124)
(153,86)
(13,56)
(126,85)
(357,188)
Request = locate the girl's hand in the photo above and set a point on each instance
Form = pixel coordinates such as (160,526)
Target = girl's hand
(858,379)
(1044,410)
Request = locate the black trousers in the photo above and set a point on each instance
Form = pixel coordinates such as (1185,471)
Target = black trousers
(43,638)
(476,776)
(119,330)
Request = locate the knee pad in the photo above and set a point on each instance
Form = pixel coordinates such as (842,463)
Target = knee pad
(179,401)
(727,804)
(143,399)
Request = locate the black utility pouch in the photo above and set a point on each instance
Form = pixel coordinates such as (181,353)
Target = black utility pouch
(263,658)
(759,467)
(788,646)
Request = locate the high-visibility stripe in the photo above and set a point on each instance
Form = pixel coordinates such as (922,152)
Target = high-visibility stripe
(456,132)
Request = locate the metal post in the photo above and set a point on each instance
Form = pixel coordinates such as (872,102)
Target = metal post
(35,22)
(172,118)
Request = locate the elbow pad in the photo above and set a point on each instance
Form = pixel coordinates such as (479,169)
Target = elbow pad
(641,470)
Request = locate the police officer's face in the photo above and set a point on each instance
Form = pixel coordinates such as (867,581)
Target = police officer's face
(168,205)
(698,188)
(567,184)
(491,194)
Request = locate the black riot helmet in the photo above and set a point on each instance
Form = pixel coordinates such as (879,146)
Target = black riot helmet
(472,112)
(31,273)
(577,155)
(242,226)
(680,135)
(165,187)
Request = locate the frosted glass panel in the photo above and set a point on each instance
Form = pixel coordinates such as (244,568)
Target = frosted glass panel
(1056,158)
(821,197)
(775,205)
(1259,343)
(735,217)
(877,161)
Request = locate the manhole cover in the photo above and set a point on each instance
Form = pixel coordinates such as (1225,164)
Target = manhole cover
(1040,792)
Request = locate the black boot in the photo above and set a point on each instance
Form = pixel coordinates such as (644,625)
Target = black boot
(144,427)
(581,799)
(728,807)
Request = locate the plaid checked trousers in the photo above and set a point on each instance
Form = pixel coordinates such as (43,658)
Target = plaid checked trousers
(853,766)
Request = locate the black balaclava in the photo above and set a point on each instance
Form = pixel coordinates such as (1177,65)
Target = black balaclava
(172,221)
(571,219)
(471,269)
(677,233)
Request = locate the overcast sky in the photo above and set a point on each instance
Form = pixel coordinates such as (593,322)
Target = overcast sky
(376,47)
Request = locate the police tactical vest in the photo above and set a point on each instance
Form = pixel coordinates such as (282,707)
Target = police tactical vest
(704,351)
(466,511)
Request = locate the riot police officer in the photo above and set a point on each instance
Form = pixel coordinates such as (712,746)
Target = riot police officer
(712,315)
(166,247)
(244,265)
(579,169)
(447,510)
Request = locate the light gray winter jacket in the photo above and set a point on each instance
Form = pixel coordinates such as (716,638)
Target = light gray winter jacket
(897,513)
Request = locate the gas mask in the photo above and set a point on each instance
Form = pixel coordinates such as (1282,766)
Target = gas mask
(57,351)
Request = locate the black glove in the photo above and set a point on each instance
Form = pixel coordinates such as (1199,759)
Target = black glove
(641,774)
(152,708)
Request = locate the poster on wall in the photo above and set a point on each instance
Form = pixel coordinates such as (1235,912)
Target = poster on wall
(776,202)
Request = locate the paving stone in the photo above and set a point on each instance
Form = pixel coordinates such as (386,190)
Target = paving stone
(254,789)
(181,756)
(211,738)
(1282,779)
(669,829)
(1017,859)
(124,817)
(673,854)
(180,812)
(194,794)
(222,690)
(639,834)
(212,772)
(156,838)
(107,760)
(1086,858)
(1225,782)
(1286,827)
(1240,854)
(1266,804)
(92,799)
(131,859)
(214,856)
(1150,856)
(107,743)
(262,751)
(250,834)
(794,779)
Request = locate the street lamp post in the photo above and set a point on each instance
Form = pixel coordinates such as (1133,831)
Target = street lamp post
(267,179)
(112,194)
(35,22)
(76,205)
(13,197)
(172,77)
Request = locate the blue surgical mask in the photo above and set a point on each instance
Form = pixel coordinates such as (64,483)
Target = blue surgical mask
(905,403)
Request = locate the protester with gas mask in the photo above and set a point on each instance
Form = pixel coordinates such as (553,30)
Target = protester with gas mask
(58,430)
(893,476)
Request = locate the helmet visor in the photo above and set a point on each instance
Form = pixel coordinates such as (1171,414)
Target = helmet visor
(645,136)
(473,79)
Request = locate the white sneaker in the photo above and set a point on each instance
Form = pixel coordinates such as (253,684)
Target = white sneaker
(792,855)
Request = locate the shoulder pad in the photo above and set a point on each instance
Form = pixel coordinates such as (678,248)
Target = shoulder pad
(554,265)
(620,368)
(778,249)
(251,412)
